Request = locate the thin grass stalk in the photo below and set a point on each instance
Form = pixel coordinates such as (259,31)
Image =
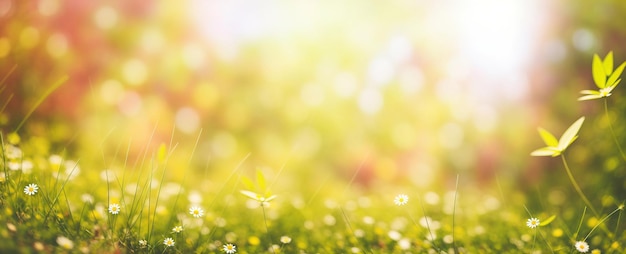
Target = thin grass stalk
(601,221)
(430,232)
(43,97)
(456,191)
(576,187)
(608,119)
(267,228)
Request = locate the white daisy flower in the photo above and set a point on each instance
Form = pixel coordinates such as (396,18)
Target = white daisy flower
(285,239)
(177,229)
(114,208)
(401,199)
(196,211)
(169,242)
(31,189)
(65,242)
(229,248)
(582,246)
(532,222)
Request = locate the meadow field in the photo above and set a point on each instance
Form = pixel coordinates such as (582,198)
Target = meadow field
(312,126)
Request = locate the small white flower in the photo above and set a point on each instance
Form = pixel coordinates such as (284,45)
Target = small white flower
(196,211)
(31,189)
(14,165)
(285,239)
(27,166)
(114,208)
(169,242)
(143,243)
(72,169)
(55,160)
(65,242)
(177,229)
(532,222)
(401,199)
(582,246)
(12,152)
(229,248)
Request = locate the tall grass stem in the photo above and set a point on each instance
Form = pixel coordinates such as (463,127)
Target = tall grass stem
(576,187)
(608,119)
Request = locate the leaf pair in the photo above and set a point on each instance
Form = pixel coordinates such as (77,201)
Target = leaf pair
(261,184)
(604,77)
(555,148)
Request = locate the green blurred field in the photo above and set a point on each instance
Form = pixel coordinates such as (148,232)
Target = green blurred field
(335,108)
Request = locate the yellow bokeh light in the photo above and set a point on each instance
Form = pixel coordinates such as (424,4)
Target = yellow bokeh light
(48,7)
(135,72)
(57,45)
(105,17)
(205,96)
(5,47)
(29,37)
(111,91)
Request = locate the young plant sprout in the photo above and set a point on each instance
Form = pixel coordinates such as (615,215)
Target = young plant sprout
(605,78)
(555,148)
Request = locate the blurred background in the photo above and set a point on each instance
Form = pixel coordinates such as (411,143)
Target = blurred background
(406,92)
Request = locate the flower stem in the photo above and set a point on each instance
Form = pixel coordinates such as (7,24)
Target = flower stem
(580,192)
(267,229)
(608,119)
(432,238)
(456,191)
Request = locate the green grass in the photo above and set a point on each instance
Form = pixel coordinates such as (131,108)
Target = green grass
(75,208)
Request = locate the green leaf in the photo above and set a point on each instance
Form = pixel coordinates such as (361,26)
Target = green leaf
(162,153)
(547,221)
(251,195)
(547,137)
(260,180)
(546,151)
(608,63)
(270,198)
(590,97)
(570,134)
(618,72)
(247,183)
(597,68)
(609,89)
(589,92)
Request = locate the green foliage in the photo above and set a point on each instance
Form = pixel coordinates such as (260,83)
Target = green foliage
(555,148)
(547,221)
(604,77)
